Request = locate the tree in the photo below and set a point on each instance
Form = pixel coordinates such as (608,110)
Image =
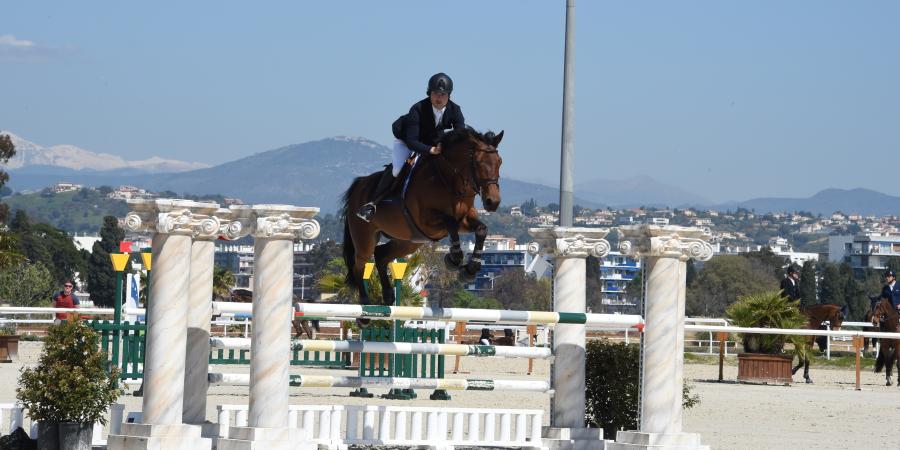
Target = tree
(43,243)
(725,278)
(7,151)
(808,284)
(9,251)
(223,281)
(593,284)
(465,299)
(833,286)
(26,285)
(515,289)
(101,277)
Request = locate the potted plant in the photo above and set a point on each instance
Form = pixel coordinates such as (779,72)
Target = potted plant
(764,359)
(71,387)
(9,344)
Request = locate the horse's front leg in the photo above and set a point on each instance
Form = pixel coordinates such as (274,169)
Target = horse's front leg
(454,259)
(474,264)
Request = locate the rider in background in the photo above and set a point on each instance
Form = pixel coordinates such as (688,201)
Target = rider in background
(418,132)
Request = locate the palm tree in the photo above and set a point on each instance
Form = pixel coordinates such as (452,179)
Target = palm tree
(223,282)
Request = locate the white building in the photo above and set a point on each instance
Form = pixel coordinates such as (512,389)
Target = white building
(864,250)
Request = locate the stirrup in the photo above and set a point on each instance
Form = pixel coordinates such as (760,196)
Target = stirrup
(366,212)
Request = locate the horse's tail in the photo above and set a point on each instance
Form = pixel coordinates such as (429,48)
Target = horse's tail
(349,251)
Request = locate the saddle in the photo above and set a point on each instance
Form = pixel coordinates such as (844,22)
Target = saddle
(399,197)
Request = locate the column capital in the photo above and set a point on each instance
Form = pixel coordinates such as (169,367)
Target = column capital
(667,241)
(571,242)
(173,216)
(284,222)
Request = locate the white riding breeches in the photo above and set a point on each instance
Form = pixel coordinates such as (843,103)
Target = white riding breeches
(401,154)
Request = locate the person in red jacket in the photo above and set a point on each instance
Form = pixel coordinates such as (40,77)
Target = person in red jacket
(65,299)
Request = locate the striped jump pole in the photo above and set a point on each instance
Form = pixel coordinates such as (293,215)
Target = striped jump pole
(469,315)
(450,384)
(400,348)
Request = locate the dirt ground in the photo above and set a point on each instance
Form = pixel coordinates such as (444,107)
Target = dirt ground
(829,414)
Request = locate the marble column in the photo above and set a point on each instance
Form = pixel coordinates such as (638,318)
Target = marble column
(199,313)
(172,223)
(570,246)
(274,230)
(666,250)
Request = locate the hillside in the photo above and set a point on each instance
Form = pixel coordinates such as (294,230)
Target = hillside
(77,211)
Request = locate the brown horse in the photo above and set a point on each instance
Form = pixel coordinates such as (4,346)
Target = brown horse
(439,201)
(818,315)
(888,320)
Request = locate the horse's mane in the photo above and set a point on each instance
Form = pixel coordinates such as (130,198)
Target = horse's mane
(454,137)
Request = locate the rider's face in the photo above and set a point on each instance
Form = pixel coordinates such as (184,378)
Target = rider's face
(439,100)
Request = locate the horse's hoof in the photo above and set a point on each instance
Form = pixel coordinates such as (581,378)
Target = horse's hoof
(809,381)
(464,275)
(888,383)
(363,323)
(452,263)
(794,371)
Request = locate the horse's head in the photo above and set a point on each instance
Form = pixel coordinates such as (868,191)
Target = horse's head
(476,159)
(486,161)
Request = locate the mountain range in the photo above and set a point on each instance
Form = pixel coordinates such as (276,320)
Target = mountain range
(316,173)
(71,157)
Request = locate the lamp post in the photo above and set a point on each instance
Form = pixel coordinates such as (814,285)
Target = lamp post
(303,278)
(119,261)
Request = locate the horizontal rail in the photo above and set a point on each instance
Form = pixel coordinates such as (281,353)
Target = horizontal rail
(403,348)
(454,384)
(469,315)
(792,331)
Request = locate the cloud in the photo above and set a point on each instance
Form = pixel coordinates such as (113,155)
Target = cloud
(13,49)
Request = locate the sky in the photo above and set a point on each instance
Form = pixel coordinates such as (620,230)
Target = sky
(729,100)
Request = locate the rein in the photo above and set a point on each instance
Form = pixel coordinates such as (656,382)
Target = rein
(471,182)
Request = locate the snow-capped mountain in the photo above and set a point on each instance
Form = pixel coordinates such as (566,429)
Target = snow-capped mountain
(71,157)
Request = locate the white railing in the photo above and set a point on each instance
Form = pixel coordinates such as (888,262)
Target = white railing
(13,416)
(337,426)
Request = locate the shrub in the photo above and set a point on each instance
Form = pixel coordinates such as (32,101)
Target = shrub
(768,310)
(71,382)
(612,377)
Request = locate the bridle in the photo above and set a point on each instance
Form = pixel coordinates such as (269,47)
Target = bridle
(471,181)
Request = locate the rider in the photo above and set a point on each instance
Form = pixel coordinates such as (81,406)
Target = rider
(891,288)
(418,132)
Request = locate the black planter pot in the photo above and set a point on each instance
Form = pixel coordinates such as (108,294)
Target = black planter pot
(48,436)
(64,436)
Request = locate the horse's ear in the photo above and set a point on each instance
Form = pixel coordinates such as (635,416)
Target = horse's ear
(497,139)
(845,310)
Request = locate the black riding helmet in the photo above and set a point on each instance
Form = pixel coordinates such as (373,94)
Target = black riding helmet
(440,83)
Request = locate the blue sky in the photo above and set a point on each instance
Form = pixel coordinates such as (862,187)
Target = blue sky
(730,100)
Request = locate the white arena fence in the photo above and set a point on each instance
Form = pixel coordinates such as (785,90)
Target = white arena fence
(13,415)
(339,426)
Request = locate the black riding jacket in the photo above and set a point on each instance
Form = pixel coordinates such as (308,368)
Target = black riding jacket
(417,128)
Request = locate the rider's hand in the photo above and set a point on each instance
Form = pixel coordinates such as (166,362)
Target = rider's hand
(436,150)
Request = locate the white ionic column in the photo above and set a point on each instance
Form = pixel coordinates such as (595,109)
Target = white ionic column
(172,222)
(274,230)
(570,246)
(199,309)
(666,250)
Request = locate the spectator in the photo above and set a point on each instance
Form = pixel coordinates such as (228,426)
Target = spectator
(65,299)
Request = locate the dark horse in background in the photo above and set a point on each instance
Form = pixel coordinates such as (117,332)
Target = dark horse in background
(439,201)
(818,315)
(888,320)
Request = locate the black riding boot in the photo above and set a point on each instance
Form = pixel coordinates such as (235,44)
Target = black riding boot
(384,187)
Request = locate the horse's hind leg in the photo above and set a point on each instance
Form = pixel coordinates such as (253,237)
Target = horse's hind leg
(384,254)
(806,371)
